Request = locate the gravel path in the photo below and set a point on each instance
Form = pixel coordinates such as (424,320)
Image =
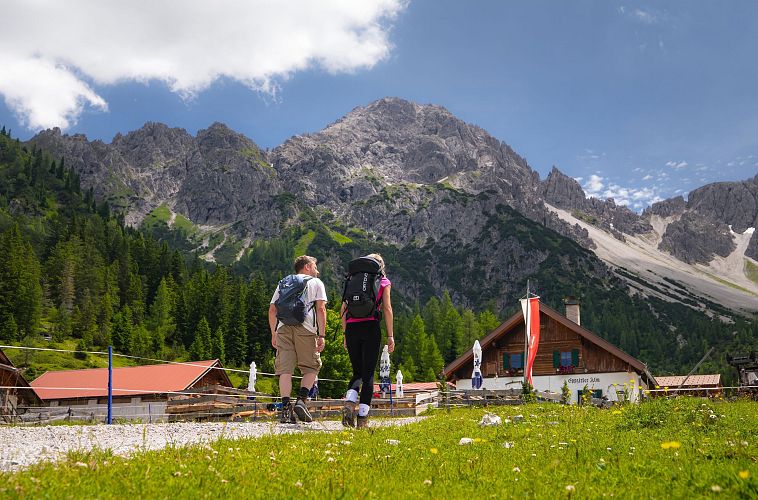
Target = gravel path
(24,446)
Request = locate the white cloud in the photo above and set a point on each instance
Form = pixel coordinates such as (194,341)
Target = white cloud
(644,16)
(676,165)
(647,177)
(594,184)
(52,53)
(636,198)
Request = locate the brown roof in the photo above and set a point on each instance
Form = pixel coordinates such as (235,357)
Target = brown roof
(129,381)
(468,356)
(692,381)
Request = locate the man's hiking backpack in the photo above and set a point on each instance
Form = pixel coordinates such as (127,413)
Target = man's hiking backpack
(291,307)
(362,282)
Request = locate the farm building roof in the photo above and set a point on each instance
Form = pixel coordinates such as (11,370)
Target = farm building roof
(692,381)
(128,381)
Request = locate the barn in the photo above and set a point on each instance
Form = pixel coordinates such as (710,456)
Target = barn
(567,354)
(15,392)
(139,392)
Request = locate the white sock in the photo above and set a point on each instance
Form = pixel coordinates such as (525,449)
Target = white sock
(352,395)
(363,410)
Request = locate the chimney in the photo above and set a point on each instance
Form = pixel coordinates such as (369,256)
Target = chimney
(572,309)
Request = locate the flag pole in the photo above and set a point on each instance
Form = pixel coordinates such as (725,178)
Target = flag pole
(526,332)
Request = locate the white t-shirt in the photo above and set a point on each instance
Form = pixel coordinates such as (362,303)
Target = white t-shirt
(314,290)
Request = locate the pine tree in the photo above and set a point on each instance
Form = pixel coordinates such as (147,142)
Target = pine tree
(121,332)
(201,346)
(20,289)
(237,348)
(217,345)
(141,341)
(431,360)
(8,329)
(487,322)
(102,337)
(161,320)
(469,331)
(259,335)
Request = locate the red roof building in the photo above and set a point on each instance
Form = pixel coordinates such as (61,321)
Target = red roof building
(150,382)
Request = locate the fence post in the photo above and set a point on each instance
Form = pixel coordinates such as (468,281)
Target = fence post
(110,385)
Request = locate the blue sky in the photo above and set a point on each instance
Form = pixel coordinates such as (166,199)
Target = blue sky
(640,101)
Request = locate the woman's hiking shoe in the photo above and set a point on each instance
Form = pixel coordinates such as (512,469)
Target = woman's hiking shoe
(362,422)
(302,411)
(348,414)
(286,416)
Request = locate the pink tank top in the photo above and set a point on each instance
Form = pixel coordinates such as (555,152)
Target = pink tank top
(382,285)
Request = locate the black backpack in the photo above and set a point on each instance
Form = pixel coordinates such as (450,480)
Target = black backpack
(362,283)
(291,308)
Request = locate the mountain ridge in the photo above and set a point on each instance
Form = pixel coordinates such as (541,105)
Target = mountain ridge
(411,173)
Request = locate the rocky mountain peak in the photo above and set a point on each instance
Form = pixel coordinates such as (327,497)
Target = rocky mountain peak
(667,208)
(562,191)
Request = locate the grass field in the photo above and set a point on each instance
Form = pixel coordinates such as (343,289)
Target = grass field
(664,449)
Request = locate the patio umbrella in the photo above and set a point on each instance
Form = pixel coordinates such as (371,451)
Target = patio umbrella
(399,384)
(385,386)
(253,377)
(476,375)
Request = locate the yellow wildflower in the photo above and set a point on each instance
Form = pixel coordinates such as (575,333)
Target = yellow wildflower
(434,450)
(744,474)
(671,444)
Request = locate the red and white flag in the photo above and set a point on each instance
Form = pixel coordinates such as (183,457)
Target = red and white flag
(532,321)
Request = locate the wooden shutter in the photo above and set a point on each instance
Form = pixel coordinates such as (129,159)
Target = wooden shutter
(556,359)
(575,357)
(506,361)
(523,364)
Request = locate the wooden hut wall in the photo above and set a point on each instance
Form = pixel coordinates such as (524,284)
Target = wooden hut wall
(212,377)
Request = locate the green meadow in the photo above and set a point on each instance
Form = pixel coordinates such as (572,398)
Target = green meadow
(661,449)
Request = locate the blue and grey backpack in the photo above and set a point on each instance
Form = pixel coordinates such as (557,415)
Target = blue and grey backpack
(291,307)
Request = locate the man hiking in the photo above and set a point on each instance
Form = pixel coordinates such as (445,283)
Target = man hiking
(297,318)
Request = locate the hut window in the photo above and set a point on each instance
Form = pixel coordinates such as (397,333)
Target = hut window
(566,358)
(517,360)
(513,361)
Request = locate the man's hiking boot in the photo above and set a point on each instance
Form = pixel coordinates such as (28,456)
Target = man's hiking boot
(286,416)
(362,422)
(302,411)
(348,414)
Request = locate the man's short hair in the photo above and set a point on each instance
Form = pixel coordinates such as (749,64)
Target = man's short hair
(303,261)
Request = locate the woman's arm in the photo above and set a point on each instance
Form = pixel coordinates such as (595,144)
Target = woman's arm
(388,317)
(343,318)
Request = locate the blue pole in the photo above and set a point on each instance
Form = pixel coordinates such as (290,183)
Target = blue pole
(110,384)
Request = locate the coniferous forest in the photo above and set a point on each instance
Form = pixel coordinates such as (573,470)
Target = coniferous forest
(70,269)
(71,272)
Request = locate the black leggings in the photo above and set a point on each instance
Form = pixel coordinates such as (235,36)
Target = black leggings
(363,341)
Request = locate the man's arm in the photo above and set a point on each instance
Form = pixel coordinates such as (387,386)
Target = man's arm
(321,317)
(321,321)
(272,322)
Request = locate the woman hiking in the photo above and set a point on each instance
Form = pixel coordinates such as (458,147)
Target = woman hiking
(365,300)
